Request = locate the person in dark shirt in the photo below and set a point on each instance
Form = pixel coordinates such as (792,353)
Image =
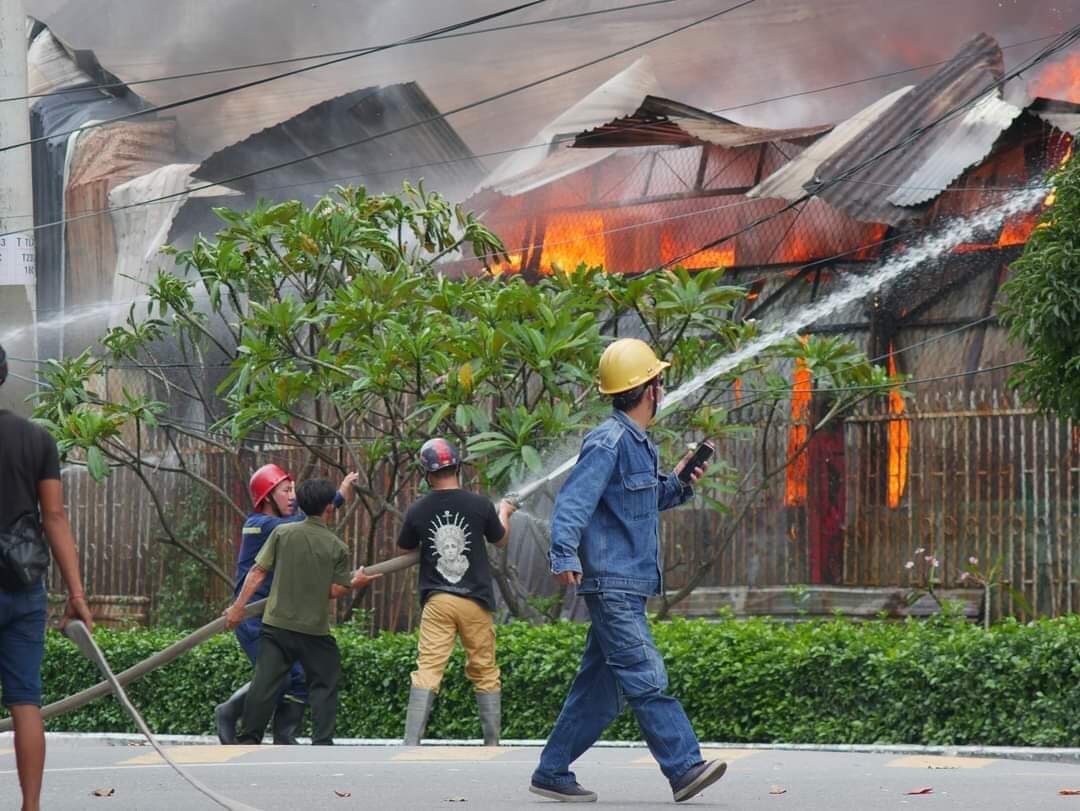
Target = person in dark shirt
(30,471)
(274,499)
(450,526)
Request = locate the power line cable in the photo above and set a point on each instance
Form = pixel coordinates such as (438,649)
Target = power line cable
(557,141)
(1062,42)
(402,128)
(266,79)
(347,51)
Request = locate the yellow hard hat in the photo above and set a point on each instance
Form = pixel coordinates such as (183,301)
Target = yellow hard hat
(627,363)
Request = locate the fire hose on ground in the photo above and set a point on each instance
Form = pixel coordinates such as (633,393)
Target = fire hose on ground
(182,646)
(217,626)
(80,635)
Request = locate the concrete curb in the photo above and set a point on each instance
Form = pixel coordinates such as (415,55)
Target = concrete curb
(1033,753)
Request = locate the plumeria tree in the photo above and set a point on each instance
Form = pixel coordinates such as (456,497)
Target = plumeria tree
(335,329)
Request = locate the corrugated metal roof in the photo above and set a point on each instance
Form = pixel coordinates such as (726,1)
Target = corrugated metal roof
(865,193)
(1065,115)
(788,182)
(449,163)
(142,230)
(965,143)
(620,95)
(656,122)
(659,121)
(49,67)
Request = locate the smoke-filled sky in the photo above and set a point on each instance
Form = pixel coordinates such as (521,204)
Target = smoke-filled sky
(769,48)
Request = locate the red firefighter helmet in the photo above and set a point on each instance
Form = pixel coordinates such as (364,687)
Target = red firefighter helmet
(438,454)
(264,480)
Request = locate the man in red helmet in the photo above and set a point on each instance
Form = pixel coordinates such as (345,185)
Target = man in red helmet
(273,497)
(450,526)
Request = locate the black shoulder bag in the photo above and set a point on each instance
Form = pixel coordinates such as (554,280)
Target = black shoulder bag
(24,554)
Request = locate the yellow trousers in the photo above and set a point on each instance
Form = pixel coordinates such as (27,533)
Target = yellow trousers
(445,617)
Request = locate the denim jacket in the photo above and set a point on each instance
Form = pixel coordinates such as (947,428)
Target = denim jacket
(606,523)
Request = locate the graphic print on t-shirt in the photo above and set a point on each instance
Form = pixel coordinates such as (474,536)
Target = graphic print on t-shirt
(449,536)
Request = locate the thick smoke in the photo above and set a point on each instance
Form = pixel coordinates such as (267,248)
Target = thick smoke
(771,48)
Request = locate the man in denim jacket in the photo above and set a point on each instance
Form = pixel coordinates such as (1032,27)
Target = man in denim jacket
(605,540)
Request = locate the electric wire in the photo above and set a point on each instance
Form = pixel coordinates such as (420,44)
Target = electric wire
(402,128)
(347,51)
(266,79)
(1062,42)
(557,141)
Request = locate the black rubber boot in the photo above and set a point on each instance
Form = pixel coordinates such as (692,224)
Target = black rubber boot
(288,716)
(227,715)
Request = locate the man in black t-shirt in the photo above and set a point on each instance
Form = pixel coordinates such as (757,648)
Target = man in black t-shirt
(451,527)
(30,472)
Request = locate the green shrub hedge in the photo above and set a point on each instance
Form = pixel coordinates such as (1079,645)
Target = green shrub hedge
(937,682)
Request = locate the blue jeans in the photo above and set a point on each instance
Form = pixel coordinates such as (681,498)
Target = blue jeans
(22,644)
(247,633)
(621,665)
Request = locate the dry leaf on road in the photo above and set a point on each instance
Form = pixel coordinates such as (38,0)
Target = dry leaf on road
(343,793)
(923,790)
(1069,792)
(777,790)
(103,792)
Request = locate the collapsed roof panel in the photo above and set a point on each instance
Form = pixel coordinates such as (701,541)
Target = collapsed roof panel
(660,121)
(878,161)
(619,96)
(789,181)
(397,127)
(965,144)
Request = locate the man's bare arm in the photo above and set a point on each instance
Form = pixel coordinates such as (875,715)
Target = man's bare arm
(506,509)
(62,543)
(360,579)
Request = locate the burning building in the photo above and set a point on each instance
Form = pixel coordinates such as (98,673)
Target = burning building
(90,184)
(634,181)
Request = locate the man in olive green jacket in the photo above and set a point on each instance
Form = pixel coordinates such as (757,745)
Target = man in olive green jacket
(310,565)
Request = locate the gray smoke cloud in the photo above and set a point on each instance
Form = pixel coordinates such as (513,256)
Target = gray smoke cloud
(770,48)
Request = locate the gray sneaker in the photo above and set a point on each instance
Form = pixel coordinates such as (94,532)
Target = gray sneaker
(564,792)
(697,779)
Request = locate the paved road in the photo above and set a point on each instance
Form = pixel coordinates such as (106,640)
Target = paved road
(475,778)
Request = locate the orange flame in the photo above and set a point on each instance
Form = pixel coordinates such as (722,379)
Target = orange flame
(899,442)
(1017,230)
(875,233)
(797,471)
(1059,80)
(571,239)
(674,243)
(513,265)
(1052,196)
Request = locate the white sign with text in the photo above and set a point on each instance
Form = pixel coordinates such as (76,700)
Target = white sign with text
(17,259)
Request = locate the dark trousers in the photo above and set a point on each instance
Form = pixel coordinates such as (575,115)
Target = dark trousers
(247,634)
(279,650)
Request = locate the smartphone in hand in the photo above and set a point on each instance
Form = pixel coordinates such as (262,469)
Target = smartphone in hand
(701,455)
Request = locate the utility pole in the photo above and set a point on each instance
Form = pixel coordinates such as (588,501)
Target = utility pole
(18,288)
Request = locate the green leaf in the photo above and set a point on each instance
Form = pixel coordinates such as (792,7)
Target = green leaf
(95,464)
(532,458)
